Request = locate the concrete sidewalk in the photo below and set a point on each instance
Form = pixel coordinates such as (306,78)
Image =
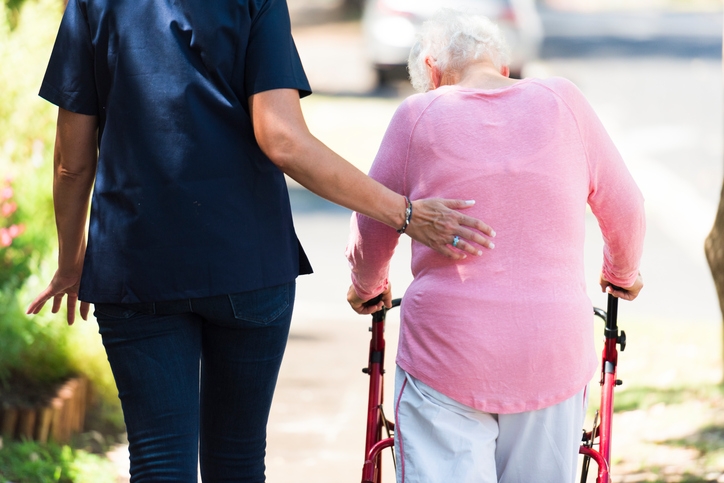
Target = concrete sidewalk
(317,425)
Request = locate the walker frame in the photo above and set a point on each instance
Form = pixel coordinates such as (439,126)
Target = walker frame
(380,430)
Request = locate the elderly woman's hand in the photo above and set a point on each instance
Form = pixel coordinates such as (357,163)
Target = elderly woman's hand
(626,293)
(366,307)
(436,223)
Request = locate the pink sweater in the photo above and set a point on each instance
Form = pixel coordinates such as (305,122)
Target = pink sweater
(511,330)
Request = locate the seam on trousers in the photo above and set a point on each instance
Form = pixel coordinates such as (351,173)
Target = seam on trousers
(398,433)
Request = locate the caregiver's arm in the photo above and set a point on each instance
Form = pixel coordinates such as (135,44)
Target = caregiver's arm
(283,135)
(74,169)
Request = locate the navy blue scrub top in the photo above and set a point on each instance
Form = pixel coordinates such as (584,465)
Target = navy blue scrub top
(185,203)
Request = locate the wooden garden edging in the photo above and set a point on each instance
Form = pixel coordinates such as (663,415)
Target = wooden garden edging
(63,417)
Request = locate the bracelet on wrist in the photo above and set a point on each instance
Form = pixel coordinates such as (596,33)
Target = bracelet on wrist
(408,216)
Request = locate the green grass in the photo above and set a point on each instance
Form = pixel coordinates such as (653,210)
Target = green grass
(635,398)
(669,414)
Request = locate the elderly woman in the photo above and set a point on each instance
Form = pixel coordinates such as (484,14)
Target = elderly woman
(496,351)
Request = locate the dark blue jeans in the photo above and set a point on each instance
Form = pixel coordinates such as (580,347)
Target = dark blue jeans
(196,379)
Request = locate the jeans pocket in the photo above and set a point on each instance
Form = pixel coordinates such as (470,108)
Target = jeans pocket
(116,311)
(262,306)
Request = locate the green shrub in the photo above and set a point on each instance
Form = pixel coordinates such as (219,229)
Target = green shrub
(31,462)
(37,351)
(32,352)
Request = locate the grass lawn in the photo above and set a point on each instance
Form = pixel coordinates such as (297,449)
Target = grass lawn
(669,420)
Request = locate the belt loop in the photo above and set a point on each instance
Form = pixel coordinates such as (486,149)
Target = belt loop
(153,308)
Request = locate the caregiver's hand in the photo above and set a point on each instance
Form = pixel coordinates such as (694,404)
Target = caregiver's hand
(436,223)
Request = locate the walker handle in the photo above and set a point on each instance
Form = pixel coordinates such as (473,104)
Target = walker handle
(376,300)
(373,301)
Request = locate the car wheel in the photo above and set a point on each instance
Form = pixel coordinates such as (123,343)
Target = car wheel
(390,74)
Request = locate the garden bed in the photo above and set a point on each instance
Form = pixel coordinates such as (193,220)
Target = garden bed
(56,415)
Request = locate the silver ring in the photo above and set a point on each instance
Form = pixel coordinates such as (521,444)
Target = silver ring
(455,241)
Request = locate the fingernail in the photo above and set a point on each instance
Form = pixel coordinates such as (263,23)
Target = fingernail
(492,245)
(492,232)
(470,202)
(480,252)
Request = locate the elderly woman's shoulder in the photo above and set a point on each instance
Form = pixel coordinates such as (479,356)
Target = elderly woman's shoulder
(425,97)
(419,101)
(432,96)
(561,86)
(567,92)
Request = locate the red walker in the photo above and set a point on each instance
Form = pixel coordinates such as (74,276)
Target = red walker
(376,439)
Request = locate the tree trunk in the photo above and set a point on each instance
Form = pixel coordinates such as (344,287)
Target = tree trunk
(714,249)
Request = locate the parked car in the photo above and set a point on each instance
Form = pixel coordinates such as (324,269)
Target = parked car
(390,26)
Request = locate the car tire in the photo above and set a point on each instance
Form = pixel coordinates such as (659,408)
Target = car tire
(389,74)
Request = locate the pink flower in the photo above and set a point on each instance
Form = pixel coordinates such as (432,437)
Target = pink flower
(6,193)
(7,234)
(16,230)
(8,208)
(5,238)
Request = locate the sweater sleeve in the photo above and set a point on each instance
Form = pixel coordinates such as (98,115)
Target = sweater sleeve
(614,197)
(371,243)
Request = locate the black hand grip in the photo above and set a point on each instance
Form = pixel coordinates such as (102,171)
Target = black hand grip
(612,308)
(376,300)
(611,331)
(379,316)
(373,301)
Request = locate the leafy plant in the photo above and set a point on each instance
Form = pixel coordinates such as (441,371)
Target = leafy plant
(33,350)
(31,462)
(37,351)
(10,229)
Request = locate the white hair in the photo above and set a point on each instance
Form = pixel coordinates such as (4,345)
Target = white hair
(454,39)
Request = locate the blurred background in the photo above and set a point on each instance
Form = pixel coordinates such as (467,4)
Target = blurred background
(652,69)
